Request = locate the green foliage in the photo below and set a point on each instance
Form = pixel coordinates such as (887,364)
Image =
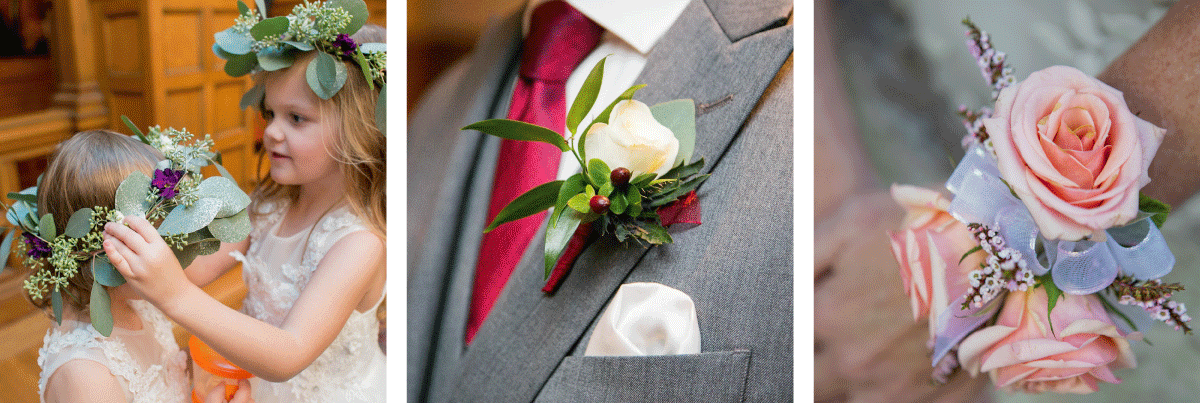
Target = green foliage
(358,14)
(586,97)
(231,229)
(132,193)
(517,130)
(580,203)
(527,204)
(558,236)
(253,96)
(56,303)
(1157,209)
(598,172)
(625,96)
(1052,296)
(46,228)
(241,65)
(571,187)
(233,200)
(680,117)
(101,312)
(188,219)
(325,75)
(79,224)
(276,59)
(381,110)
(269,27)
(104,272)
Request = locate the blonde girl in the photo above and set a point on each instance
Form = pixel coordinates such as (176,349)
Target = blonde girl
(314,260)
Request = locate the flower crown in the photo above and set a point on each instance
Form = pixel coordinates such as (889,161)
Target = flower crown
(194,216)
(257,42)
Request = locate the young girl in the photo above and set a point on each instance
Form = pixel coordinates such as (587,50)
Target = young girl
(139,361)
(314,261)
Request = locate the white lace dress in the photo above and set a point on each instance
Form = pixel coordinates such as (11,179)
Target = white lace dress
(146,363)
(275,270)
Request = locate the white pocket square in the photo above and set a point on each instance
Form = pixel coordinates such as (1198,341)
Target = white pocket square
(646,319)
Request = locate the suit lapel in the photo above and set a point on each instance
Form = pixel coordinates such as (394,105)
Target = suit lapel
(440,284)
(527,332)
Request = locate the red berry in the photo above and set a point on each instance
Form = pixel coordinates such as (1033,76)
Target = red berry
(599,204)
(620,177)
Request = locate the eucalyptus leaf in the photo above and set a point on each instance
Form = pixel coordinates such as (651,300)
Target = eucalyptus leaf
(233,228)
(373,47)
(241,65)
(233,42)
(586,97)
(56,303)
(6,245)
(233,199)
(104,272)
(571,187)
(517,130)
(253,96)
(46,228)
(580,202)
(361,60)
(358,14)
(275,59)
(101,312)
(302,46)
(269,27)
(131,195)
(557,238)
(242,9)
(224,172)
(188,219)
(625,96)
(132,127)
(616,203)
(25,197)
(325,75)
(221,53)
(199,243)
(79,224)
(598,172)
(532,202)
(381,110)
(679,116)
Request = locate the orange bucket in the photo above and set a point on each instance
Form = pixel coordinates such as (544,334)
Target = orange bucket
(210,369)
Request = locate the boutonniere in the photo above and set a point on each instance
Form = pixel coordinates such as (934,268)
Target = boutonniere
(1021,270)
(193,214)
(636,176)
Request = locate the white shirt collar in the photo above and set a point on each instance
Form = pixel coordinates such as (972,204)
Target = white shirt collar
(641,23)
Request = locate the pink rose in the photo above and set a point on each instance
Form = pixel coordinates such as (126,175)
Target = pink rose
(928,249)
(1022,354)
(1072,151)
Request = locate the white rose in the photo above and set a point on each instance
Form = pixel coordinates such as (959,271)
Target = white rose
(632,140)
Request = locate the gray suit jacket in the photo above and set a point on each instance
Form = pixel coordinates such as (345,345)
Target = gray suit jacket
(734,59)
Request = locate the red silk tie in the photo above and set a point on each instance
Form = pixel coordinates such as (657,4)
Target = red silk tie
(559,39)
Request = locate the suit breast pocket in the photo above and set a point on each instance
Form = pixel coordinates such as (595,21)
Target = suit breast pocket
(705,377)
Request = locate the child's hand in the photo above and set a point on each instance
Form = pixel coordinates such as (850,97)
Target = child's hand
(141,255)
(217,395)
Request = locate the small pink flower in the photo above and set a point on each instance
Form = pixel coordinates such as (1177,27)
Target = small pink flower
(1069,147)
(1021,352)
(928,249)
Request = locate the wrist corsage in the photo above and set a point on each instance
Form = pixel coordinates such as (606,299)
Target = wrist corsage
(635,181)
(193,214)
(1021,271)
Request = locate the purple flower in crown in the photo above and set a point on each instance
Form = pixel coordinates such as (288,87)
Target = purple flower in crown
(38,249)
(345,44)
(165,181)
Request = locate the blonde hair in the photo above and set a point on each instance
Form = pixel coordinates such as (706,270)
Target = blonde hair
(359,146)
(85,171)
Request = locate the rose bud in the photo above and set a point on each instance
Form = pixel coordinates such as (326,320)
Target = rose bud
(620,177)
(599,204)
(633,139)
